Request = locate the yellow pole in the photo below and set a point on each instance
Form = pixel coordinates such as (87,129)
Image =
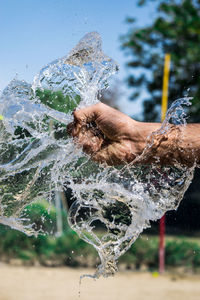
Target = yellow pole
(163,113)
(165,86)
(1,117)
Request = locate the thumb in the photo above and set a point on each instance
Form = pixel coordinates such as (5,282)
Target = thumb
(82,118)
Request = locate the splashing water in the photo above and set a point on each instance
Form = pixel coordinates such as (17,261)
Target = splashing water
(39,158)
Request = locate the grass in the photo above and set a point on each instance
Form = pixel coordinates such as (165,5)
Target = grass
(70,250)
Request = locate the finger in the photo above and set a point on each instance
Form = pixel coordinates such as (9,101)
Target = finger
(113,154)
(87,114)
(108,155)
(70,127)
(90,142)
(81,118)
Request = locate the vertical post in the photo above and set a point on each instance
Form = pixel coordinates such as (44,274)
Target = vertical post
(162,246)
(165,86)
(163,113)
(58,199)
(59,222)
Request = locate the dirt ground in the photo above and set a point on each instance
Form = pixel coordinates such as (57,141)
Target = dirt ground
(38,283)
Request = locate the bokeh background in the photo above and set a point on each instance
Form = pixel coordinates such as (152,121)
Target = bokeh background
(137,34)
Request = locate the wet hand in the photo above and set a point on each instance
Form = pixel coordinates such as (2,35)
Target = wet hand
(107,135)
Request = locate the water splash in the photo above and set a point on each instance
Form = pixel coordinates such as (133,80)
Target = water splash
(112,205)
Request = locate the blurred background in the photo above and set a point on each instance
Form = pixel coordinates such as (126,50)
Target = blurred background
(137,34)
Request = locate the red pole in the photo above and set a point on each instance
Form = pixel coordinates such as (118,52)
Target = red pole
(162,246)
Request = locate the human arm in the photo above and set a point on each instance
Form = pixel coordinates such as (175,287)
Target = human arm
(114,138)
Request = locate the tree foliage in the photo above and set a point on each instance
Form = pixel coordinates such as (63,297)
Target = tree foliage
(175,30)
(58,101)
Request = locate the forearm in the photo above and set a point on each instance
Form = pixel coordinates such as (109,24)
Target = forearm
(179,144)
(112,137)
(189,144)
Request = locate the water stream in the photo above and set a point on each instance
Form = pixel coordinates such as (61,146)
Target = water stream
(37,158)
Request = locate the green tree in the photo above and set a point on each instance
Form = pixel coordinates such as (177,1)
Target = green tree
(58,101)
(175,30)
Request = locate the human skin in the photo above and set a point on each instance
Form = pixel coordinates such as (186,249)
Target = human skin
(111,137)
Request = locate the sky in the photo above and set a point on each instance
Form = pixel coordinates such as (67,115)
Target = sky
(34,33)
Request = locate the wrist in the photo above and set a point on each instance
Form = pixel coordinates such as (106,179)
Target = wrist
(157,146)
(144,132)
(163,146)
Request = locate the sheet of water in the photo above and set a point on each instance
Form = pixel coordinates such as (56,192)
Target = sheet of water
(37,158)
